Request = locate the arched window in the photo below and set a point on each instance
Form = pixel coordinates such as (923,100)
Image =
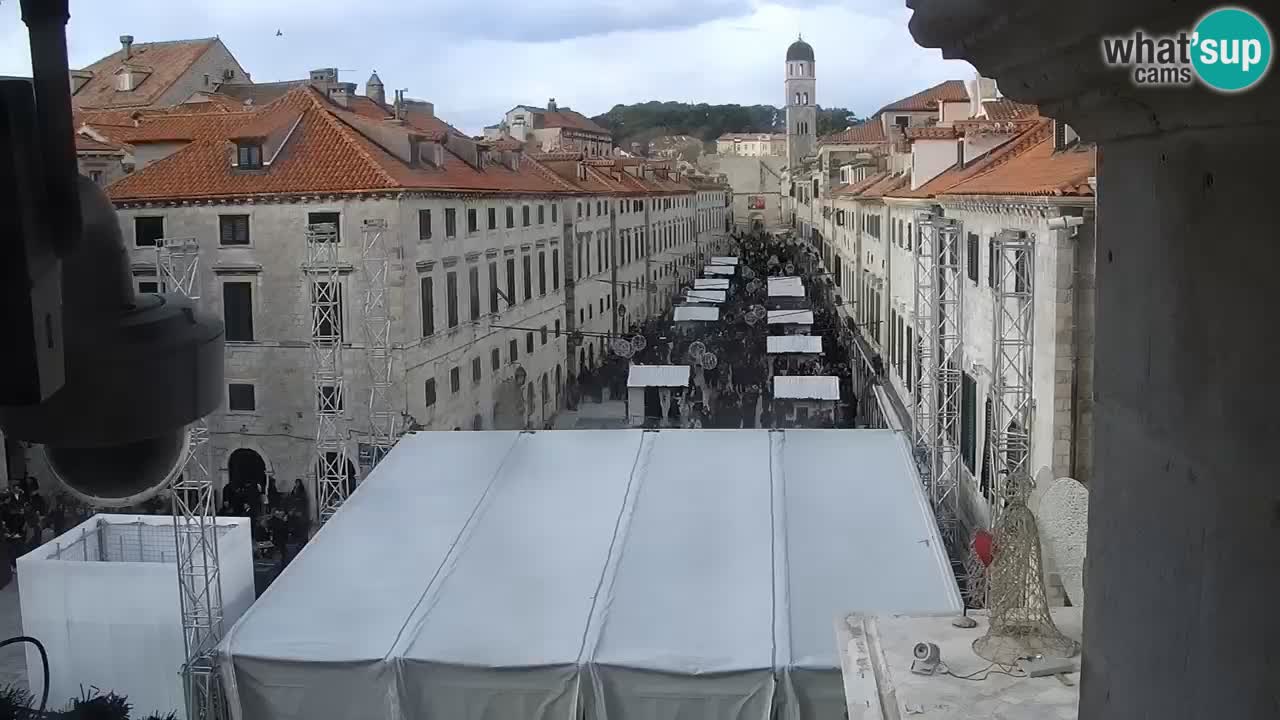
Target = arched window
(806,98)
(797,98)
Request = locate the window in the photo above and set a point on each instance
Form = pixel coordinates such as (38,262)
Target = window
(327,218)
(513,351)
(542,332)
(588,209)
(993,257)
(909,237)
(455,379)
(427,285)
(451,298)
(96,176)
(968,420)
(524,215)
(542,214)
(147,231)
(526,262)
(493,286)
(972,260)
(237,311)
(495,359)
(148,286)
(424,224)
(473,220)
(555,266)
(473,279)
(557,327)
(329,399)
(475,370)
(429,392)
(911,355)
(511,282)
(553,212)
(493,218)
(511,217)
(240,397)
(528,342)
(327,320)
(1022,273)
(902,120)
(249,156)
(450,222)
(233,230)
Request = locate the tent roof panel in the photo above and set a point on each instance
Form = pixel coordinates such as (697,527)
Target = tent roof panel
(658,376)
(686,313)
(790,317)
(706,296)
(718,270)
(782,344)
(711,283)
(724,260)
(806,387)
(786,287)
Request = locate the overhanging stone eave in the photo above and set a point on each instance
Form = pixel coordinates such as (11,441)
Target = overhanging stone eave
(1050,55)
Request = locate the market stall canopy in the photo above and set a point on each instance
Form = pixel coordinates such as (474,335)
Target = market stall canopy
(718,270)
(786,287)
(593,574)
(692,313)
(724,260)
(711,283)
(783,344)
(658,376)
(705,296)
(790,317)
(806,387)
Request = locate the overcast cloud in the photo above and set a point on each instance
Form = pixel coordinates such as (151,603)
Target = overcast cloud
(475,60)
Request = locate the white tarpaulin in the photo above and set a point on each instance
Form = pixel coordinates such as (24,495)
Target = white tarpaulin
(724,260)
(783,344)
(786,287)
(790,317)
(593,574)
(706,296)
(658,376)
(806,387)
(711,284)
(718,270)
(690,313)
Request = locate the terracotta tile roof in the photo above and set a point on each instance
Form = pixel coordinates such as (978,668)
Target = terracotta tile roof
(886,186)
(855,188)
(508,143)
(867,131)
(167,61)
(172,127)
(571,119)
(946,91)
(1037,171)
(325,153)
(87,144)
(1006,109)
(210,102)
(260,93)
(934,132)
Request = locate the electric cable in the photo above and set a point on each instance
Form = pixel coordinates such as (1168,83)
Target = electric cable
(44,662)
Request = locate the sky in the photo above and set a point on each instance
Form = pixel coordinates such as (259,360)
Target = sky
(476,60)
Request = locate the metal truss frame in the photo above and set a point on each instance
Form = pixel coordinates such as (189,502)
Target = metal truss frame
(1012,402)
(939,308)
(375,261)
(324,282)
(194,521)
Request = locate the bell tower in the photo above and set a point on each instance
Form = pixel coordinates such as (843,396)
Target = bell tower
(802,102)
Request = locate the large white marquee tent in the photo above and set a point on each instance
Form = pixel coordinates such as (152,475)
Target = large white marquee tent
(604,575)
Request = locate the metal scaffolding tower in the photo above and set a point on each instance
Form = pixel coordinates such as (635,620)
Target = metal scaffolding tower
(1014,265)
(324,281)
(939,318)
(194,522)
(376,264)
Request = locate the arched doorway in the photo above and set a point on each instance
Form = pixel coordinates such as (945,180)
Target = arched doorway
(246,481)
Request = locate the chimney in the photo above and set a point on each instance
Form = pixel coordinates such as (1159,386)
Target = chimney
(551,105)
(126,44)
(399,107)
(341,93)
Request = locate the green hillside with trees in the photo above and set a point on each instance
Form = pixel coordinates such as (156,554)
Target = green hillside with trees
(643,122)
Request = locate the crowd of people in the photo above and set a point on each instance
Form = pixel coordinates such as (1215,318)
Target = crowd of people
(736,391)
(31,518)
(280,522)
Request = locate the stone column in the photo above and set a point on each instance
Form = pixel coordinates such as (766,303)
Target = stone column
(1183,568)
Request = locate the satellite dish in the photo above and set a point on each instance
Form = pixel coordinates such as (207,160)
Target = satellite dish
(639,343)
(708,360)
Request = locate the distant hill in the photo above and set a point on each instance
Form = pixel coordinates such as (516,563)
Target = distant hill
(647,121)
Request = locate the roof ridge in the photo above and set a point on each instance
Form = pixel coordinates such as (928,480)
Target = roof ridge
(341,127)
(547,172)
(1014,148)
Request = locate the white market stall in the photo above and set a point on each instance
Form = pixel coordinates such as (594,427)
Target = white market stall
(719,270)
(714,297)
(791,351)
(711,284)
(593,575)
(695,313)
(724,260)
(667,378)
(780,287)
(103,599)
(793,321)
(806,399)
